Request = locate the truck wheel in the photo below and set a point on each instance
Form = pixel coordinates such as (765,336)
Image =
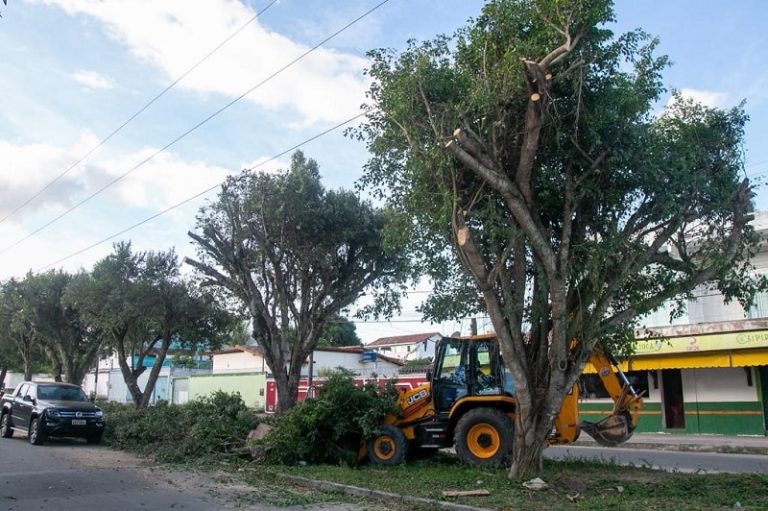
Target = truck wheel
(5,426)
(388,447)
(484,437)
(36,435)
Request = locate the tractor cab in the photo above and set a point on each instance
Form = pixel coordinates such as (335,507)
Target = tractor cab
(468,369)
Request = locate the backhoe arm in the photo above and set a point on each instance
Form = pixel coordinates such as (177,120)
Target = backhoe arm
(617,428)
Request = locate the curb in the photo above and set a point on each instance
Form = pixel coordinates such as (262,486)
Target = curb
(356,491)
(723,449)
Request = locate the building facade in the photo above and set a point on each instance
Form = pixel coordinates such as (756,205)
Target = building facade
(406,347)
(706,371)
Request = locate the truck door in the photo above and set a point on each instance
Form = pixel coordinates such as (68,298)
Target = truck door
(22,406)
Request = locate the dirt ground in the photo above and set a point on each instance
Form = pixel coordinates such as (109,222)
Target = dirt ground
(221,489)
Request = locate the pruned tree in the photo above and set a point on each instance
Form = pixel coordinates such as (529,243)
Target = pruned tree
(535,181)
(294,254)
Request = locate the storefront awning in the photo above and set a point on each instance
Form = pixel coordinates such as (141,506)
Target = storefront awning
(741,358)
(681,361)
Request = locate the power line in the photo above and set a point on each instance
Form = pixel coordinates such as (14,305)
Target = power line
(199,194)
(195,127)
(136,114)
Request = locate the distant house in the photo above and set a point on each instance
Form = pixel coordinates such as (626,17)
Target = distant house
(352,359)
(239,359)
(406,347)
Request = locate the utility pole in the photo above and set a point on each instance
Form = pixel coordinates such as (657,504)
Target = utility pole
(473,326)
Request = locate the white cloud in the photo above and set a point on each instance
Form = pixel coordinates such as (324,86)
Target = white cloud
(165,181)
(711,99)
(172,35)
(92,80)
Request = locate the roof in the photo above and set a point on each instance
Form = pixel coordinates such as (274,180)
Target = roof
(253,350)
(358,349)
(399,340)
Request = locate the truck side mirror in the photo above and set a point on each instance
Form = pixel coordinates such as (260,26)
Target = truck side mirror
(27,398)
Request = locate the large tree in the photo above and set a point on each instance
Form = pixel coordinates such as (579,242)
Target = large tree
(294,254)
(143,306)
(536,182)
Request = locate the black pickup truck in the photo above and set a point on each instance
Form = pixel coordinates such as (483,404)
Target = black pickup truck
(40,410)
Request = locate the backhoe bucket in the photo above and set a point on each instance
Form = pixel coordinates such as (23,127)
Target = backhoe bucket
(611,431)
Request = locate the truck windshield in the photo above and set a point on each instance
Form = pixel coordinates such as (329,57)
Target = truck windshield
(60,393)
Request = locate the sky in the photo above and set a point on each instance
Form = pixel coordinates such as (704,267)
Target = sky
(74,71)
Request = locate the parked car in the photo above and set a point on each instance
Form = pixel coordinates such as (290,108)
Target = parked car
(41,410)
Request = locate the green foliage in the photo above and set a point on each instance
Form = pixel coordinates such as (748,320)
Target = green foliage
(573,485)
(205,428)
(330,428)
(339,331)
(530,177)
(295,254)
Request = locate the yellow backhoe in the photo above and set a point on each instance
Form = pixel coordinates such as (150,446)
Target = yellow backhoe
(469,403)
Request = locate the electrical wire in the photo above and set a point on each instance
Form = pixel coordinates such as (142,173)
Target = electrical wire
(195,127)
(199,194)
(136,114)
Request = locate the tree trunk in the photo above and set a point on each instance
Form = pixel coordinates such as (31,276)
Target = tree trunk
(130,377)
(528,447)
(155,371)
(3,372)
(27,371)
(286,396)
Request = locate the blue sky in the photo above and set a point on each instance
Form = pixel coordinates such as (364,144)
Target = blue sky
(74,70)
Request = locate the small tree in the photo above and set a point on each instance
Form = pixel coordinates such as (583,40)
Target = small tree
(19,344)
(143,306)
(71,342)
(294,254)
(535,182)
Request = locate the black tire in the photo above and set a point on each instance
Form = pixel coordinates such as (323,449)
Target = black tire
(36,435)
(484,437)
(388,447)
(6,431)
(94,439)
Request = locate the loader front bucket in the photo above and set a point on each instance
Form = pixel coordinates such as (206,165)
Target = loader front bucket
(611,431)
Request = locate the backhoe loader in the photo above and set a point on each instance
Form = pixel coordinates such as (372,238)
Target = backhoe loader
(469,403)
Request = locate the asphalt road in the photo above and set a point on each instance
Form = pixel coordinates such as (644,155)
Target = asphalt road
(69,474)
(702,462)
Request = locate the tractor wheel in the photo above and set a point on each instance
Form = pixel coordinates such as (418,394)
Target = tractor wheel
(484,437)
(388,447)
(5,426)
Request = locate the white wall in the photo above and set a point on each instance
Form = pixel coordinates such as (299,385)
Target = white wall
(329,360)
(710,385)
(424,349)
(238,362)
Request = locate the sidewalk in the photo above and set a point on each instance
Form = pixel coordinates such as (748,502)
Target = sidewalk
(702,443)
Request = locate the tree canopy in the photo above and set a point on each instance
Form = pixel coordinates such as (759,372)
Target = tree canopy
(535,180)
(143,306)
(339,331)
(295,255)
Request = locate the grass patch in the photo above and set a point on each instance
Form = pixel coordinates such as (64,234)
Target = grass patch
(573,485)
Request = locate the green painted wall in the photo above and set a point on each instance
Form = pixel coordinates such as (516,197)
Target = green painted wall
(251,386)
(736,418)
